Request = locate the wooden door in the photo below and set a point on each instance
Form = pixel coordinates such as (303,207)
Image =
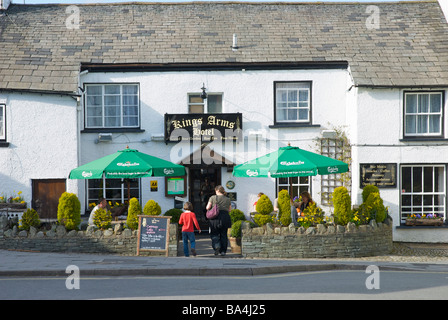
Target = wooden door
(46,194)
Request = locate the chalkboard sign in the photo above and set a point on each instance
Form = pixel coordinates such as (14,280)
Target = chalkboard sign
(153,233)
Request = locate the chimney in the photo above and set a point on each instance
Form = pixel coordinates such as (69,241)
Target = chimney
(4,4)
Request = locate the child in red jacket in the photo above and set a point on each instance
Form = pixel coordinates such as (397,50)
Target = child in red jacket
(187,219)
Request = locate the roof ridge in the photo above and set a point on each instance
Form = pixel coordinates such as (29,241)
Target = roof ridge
(354,2)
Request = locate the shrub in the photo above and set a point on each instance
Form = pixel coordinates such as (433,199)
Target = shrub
(236,215)
(312,216)
(264,205)
(262,219)
(284,207)
(30,219)
(152,208)
(361,215)
(102,219)
(133,212)
(236,229)
(368,189)
(342,206)
(69,211)
(376,207)
(174,214)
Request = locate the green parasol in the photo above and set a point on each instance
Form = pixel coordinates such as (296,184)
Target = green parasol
(289,162)
(127,164)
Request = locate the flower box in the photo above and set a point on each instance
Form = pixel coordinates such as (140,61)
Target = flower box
(424,222)
(5,205)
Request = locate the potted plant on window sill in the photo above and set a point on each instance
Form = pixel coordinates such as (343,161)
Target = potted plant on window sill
(424,220)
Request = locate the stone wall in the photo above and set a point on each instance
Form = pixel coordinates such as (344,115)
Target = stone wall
(115,241)
(317,242)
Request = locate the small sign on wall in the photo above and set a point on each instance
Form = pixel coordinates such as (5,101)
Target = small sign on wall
(382,175)
(154,185)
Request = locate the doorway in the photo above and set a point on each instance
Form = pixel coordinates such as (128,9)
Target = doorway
(46,194)
(202,183)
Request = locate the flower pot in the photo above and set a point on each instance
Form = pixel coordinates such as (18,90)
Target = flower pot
(235,244)
(424,222)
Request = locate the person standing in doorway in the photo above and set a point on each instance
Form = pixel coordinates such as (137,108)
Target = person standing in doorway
(219,225)
(188,221)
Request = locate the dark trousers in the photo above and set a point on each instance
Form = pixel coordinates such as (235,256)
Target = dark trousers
(219,239)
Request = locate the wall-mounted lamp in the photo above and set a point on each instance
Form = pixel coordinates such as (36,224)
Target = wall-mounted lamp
(203,94)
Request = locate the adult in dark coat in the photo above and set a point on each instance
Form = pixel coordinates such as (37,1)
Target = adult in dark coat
(219,226)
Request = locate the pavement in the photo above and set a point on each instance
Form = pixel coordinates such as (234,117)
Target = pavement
(27,263)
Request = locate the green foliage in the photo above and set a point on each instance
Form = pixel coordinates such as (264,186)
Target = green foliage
(262,219)
(312,216)
(133,212)
(102,219)
(361,215)
(152,208)
(236,229)
(377,209)
(264,205)
(174,214)
(342,206)
(284,206)
(30,218)
(368,189)
(69,211)
(236,215)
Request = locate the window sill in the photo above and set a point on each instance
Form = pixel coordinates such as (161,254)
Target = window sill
(4,144)
(294,125)
(112,130)
(404,227)
(420,139)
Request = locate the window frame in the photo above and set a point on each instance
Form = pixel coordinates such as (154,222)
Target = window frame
(297,122)
(3,123)
(121,126)
(104,189)
(427,135)
(422,193)
(295,185)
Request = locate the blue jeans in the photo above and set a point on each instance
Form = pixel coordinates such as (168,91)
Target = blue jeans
(185,237)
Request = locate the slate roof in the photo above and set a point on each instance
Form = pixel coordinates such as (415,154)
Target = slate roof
(38,52)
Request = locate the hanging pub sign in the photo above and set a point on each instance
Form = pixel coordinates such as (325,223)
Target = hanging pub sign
(203,127)
(382,175)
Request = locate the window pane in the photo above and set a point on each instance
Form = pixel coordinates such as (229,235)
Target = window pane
(2,122)
(422,125)
(94,90)
(417,179)
(427,179)
(112,89)
(214,103)
(439,181)
(130,89)
(406,179)
(423,103)
(436,102)
(303,114)
(411,124)
(411,103)
(434,124)
(195,99)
